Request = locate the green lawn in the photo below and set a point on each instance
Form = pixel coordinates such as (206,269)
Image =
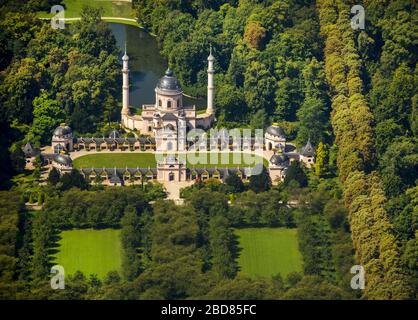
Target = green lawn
(90,251)
(145,160)
(223,160)
(119,9)
(268,251)
(118,160)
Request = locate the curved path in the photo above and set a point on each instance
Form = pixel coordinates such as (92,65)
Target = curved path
(132,21)
(104,18)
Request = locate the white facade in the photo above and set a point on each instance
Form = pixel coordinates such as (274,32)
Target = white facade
(62,139)
(275,139)
(211,86)
(168,119)
(125,85)
(171,169)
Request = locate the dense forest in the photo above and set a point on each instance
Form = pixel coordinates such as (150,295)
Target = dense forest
(176,252)
(54,76)
(353,93)
(269,66)
(300,64)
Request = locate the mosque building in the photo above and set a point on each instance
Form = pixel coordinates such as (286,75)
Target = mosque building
(162,127)
(168,120)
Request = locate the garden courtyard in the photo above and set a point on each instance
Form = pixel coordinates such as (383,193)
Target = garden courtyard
(146,159)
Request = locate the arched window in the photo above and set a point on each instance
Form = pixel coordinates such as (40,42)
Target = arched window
(168,104)
(159,103)
(170,146)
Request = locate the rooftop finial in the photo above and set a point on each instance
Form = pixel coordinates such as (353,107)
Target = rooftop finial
(169,72)
(210,58)
(125,56)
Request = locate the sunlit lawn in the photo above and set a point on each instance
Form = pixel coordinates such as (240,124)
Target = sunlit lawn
(268,251)
(145,160)
(73,8)
(89,251)
(116,160)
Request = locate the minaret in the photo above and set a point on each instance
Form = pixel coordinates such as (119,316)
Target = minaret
(211,88)
(125,86)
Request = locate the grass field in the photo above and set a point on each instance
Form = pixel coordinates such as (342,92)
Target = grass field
(90,251)
(268,251)
(145,160)
(121,9)
(118,160)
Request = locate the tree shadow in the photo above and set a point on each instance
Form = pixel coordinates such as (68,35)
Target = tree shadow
(53,245)
(52,251)
(235,250)
(55,238)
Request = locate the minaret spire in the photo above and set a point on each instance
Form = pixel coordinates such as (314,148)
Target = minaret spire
(125,86)
(211,87)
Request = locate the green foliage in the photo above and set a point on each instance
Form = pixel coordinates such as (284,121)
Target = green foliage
(352,121)
(259,87)
(255,35)
(259,120)
(77,70)
(373,238)
(296,172)
(47,115)
(399,165)
(17,157)
(40,198)
(320,160)
(315,288)
(260,182)
(221,247)
(42,233)
(268,67)
(313,121)
(267,252)
(105,208)
(176,264)
(11,209)
(73,179)
(130,238)
(261,209)
(315,245)
(235,183)
(242,288)
(248,39)
(53,176)
(410,260)
(313,114)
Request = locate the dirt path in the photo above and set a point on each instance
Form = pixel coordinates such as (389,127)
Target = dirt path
(104,18)
(173,189)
